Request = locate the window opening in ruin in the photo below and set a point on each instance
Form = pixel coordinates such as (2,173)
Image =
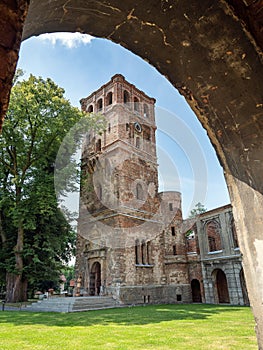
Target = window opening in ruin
(179,297)
(143,251)
(148,252)
(90,109)
(212,244)
(127,126)
(136,104)
(137,260)
(109,99)
(173,230)
(145,110)
(213,234)
(174,250)
(99,104)
(171,206)
(126,97)
(109,128)
(139,191)
(98,145)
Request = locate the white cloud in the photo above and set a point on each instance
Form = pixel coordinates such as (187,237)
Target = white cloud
(70,40)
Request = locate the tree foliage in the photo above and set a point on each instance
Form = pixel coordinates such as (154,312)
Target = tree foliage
(35,238)
(199,209)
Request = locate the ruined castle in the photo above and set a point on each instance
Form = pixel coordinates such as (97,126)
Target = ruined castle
(133,243)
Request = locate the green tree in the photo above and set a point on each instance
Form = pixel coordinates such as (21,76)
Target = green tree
(34,235)
(199,209)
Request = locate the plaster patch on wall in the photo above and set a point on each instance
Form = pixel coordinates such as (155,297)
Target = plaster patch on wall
(259,269)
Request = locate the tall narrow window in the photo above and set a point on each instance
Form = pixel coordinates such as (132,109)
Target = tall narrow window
(174,250)
(143,251)
(173,230)
(145,110)
(126,97)
(148,252)
(139,191)
(171,206)
(137,252)
(98,145)
(109,128)
(99,104)
(109,99)
(136,104)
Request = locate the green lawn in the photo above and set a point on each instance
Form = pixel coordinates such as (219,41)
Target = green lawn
(193,327)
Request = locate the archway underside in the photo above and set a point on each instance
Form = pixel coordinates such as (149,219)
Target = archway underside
(213,59)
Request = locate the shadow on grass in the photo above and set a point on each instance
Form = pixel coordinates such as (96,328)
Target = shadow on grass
(122,316)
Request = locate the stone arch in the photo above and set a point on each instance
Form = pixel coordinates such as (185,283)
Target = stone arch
(221,287)
(218,72)
(90,109)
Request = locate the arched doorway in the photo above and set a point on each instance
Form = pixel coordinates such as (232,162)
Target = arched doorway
(95,279)
(221,287)
(196,291)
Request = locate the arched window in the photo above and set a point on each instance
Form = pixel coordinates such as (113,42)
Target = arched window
(213,235)
(90,109)
(136,104)
(139,191)
(126,96)
(98,145)
(109,99)
(145,110)
(99,104)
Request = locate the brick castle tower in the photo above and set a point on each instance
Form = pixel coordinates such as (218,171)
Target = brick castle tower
(130,244)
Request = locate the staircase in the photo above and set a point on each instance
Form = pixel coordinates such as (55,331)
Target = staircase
(72,304)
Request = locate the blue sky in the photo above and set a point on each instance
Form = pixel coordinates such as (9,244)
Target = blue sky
(81,64)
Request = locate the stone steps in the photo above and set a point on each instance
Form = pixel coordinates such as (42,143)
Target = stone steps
(72,304)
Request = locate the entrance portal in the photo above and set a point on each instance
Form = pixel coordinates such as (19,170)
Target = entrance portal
(95,279)
(221,287)
(196,291)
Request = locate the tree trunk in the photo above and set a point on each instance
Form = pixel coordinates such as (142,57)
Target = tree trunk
(16,286)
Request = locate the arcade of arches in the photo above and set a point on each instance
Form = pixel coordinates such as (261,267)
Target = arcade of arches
(219,72)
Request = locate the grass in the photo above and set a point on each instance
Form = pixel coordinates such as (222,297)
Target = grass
(195,327)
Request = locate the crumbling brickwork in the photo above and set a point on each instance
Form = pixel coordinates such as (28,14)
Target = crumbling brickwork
(131,239)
